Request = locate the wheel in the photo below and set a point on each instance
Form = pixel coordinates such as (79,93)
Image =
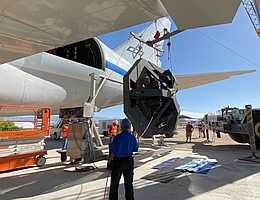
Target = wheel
(52,136)
(237,137)
(63,157)
(105,133)
(55,136)
(168,135)
(40,161)
(245,139)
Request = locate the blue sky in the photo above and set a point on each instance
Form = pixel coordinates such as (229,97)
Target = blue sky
(227,47)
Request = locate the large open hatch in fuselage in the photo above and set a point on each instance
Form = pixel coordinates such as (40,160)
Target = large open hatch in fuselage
(87,52)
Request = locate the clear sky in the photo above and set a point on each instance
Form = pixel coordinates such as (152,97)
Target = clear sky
(220,48)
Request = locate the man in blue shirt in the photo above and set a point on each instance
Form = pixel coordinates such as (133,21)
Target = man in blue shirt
(120,161)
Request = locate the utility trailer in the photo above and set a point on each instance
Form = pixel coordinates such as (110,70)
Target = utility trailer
(21,147)
(233,121)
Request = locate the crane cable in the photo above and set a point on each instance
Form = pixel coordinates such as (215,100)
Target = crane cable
(228,48)
(150,121)
(148,125)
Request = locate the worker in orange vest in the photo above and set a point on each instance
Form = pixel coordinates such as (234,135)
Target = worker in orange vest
(203,127)
(65,128)
(112,131)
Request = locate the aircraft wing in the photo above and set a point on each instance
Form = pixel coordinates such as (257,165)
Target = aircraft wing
(198,13)
(29,27)
(193,80)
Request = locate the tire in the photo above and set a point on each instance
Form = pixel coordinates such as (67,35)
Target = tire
(40,161)
(237,137)
(242,138)
(63,157)
(257,140)
(105,133)
(55,136)
(168,135)
(52,137)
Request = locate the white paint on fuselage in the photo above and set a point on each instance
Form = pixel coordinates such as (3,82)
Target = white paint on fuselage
(20,88)
(72,77)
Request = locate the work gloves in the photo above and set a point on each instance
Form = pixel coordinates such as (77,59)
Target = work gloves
(110,166)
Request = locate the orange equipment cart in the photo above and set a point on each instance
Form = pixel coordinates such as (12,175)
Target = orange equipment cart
(24,147)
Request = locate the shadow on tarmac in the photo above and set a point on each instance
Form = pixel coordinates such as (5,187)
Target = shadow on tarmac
(52,177)
(46,179)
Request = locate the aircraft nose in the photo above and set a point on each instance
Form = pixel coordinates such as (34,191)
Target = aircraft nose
(20,88)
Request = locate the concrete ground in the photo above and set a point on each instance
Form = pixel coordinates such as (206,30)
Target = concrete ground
(229,179)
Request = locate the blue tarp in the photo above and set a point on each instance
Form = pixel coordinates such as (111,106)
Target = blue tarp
(165,163)
(201,166)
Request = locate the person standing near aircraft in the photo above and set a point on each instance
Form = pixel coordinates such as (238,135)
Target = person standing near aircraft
(120,161)
(189,130)
(65,128)
(199,128)
(112,131)
(203,127)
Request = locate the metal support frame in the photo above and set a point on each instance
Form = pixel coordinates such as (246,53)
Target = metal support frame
(91,102)
(250,127)
(82,145)
(252,13)
(151,43)
(92,98)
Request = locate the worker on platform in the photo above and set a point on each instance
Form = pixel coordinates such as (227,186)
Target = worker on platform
(64,129)
(113,128)
(120,161)
(189,130)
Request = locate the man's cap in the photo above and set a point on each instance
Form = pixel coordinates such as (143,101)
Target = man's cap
(125,122)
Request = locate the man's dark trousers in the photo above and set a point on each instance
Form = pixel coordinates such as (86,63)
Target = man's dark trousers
(123,166)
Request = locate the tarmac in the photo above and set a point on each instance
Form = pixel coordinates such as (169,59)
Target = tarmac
(229,179)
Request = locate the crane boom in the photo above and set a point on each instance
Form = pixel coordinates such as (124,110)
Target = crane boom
(253,13)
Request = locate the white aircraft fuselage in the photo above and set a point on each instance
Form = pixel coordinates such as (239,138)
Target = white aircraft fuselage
(61,82)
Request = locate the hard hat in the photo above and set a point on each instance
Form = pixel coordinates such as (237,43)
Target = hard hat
(125,122)
(116,122)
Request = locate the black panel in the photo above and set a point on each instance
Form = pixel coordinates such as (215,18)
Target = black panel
(150,99)
(86,52)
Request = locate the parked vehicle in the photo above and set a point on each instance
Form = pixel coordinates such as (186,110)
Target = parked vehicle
(55,131)
(104,126)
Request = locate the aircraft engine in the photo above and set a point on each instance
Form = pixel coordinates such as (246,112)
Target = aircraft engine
(150,99)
